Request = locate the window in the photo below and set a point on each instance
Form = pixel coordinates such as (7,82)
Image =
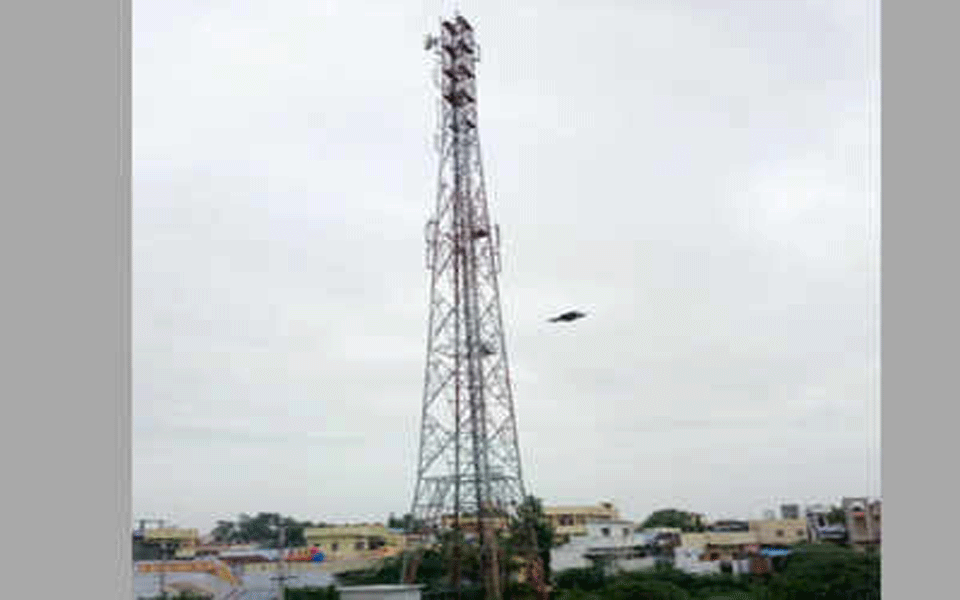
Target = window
(605,531)
(779,533)
(626,532)
(358,546)
(799,532)
(335,546)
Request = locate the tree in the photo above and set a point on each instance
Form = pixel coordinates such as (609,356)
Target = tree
(261,529)
(530,529)
(432,572)
(225,532)
(836,516)
(589,579)
(671,517)
(406,522)
(645,589)
(828,571)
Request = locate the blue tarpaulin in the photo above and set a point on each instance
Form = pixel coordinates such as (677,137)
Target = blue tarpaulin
(774,552)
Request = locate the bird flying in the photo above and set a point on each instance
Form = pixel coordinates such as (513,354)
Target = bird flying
(568,316)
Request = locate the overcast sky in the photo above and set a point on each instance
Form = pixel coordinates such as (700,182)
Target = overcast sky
(699,175)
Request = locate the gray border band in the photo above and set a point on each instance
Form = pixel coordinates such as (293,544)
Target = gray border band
(66,303)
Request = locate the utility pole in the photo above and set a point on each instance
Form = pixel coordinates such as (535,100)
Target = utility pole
(161,576)
(163,569)
(282,576)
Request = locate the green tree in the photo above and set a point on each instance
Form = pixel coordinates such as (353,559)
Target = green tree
(645,589)
(836,516)
(589,579)
(530,529)
(578,594)
(662,582)
(433,571)
(225,532)
(406,522)
(825,572)
(671,517)
(261,529)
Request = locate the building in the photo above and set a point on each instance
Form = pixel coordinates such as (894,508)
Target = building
(468,524)
(173,535)
(691,560)
(165,543)
(790,511)
(347,542)
(862,523)
(819,528)
(779,532)
(257,581)
(729,525)
(570,521)
(615,545)
(817,515)
(719,552)
(724,546)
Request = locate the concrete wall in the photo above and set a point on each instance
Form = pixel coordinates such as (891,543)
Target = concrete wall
(380,592)
(562,559)
(862,521)
(696,566)
(779,532)
(172,534)
(636,564)
(354,541)
(609,537)
(718,538)
(256,584)
(710,567)
(572,520)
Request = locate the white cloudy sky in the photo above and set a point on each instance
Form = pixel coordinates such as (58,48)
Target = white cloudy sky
(700,175)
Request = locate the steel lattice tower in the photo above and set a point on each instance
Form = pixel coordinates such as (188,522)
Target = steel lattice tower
(468,471)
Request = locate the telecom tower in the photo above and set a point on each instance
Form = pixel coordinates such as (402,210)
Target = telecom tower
(468,474)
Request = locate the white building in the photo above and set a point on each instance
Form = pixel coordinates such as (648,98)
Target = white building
(688,559)
(257,582)
(617,545)
(381,592)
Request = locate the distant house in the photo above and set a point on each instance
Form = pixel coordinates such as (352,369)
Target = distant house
(819,528)
(736,551)
(571,521)
(349,542)
(724,546)
(615,545)
(164,543)
(780,532)
(863,523)
(790,511)
(729,525)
